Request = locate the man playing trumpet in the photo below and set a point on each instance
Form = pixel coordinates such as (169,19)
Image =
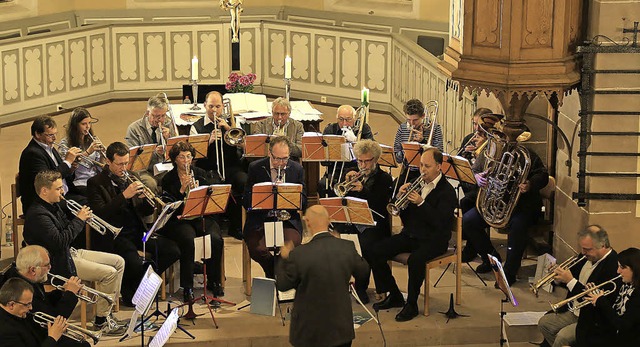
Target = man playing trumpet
(48,225)
(32,265)
(427,222)
(600,265)
(369,182)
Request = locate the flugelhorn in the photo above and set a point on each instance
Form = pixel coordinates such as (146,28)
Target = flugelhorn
(81,159)
(91,296)
(341,189)
(149,195)
(402,200)
(566,265)
(73,332)
(583,303)
(95,222)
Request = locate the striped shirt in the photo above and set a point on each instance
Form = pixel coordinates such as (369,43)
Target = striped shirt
(402,135)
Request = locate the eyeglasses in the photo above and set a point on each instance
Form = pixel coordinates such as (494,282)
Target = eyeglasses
(364,161)
(158,116)
(279,159)
(345,119)
(51,135)
(120,164)
(28,305)
(280,114)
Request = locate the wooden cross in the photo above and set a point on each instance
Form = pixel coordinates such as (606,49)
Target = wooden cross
(635,34)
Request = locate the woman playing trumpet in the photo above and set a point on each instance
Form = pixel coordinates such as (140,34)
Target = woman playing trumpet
(617,318)
(176,184)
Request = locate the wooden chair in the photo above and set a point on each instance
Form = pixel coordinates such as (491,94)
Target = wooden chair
(452,256)
(246,260)
(16,219)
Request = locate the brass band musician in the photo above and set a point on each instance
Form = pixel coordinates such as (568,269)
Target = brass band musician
(281,124)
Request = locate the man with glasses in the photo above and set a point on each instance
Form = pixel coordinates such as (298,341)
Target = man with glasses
(120,202)
(154,127)
(281,124)
(345,127)
(219,154)
(15,329)
(374,185)
(39,155)
(277,168)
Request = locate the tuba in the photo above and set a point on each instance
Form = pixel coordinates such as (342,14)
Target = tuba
(507,166)
(235,135)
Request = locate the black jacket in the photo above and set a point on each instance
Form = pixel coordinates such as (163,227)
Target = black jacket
(33,160)
(259,171)
(377,191)
(49,226)
(171,186)
(334,129)
(16,331)
(232,154)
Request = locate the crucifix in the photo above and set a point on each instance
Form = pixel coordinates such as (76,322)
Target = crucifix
(235,8)
(635,34)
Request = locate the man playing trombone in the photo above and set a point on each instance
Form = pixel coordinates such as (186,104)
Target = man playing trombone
(223,161)
(32,267)
(16,297)
(48,225)
(600,265)
(427,222)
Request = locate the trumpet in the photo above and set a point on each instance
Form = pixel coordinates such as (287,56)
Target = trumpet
(583,303)
(192,181)
(81,159)
(566,265)
(282,215)
(278,129)
(101,151)
(149,195)
(402,200)
(95,222)
(91,296)
(341,189)
(73,332)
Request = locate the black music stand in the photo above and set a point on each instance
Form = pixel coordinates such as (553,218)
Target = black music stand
(203,201)
(503,284)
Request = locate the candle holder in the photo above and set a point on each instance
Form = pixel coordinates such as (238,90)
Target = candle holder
(287,88)
(194,92)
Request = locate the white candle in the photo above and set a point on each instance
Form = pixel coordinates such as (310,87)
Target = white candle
(194,68)
(287,67)
(364,97)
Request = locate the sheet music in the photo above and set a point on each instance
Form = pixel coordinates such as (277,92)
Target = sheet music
(146,291)
(199,245)
(289,295)
(523,318)
(163,218)
(269,234)
(166,330)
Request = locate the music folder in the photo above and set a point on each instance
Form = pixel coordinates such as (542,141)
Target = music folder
(501,279)
(288,197)
(318,147)
(412,153)
(257,145)
(348,210)
(140,156)
(205,200)
(387,158)
(200,143)
(457,168)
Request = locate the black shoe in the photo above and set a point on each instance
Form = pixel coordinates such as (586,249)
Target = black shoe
(215,289)
(393,300)
(187,295)
(484,268)
(408,312)
(214,304)
(468,254)
(126,302)
(363,296)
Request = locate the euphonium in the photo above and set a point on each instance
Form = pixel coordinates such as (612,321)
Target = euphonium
(583,303)
(95,222)
(341,189)
(149,195)
(235,135)
(402,200)
(566,265)
(507,166)
(73,332)
(92,294)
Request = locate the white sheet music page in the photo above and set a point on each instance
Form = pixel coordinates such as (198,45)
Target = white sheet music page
(269,235)
(202,247)
(146,291)
(166,330)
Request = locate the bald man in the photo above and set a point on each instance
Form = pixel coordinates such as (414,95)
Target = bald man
(320,271)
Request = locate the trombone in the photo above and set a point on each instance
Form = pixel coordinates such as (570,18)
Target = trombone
(583,303)
(235,135)
(81,159)
(566,265)
(73,332)
(91,296)
(149,195)
(94,221)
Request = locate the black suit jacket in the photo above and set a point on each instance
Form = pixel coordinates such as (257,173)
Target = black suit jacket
(48,226)
(377,191)
(433,220)
(17,331)
(334,129)
(108,202)
(259,171)
(33,160)
(320,272)
(171,186)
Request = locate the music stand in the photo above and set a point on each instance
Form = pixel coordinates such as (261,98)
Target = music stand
(199,202)
(348,210)
(143,298)
(140,156)
(200,143)
(166,330)
(257,145)
(387,158)
(317,147)
(412,153)
(503,284)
